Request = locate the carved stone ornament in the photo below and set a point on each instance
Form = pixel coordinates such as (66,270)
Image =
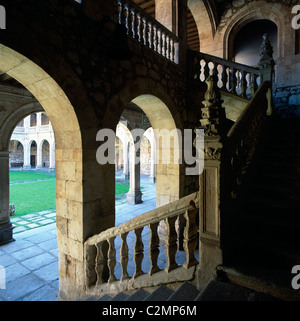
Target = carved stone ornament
(266,53)
(212,153)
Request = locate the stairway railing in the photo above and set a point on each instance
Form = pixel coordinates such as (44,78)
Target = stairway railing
(232,77)
(143,28)
(101,257)
(244,137)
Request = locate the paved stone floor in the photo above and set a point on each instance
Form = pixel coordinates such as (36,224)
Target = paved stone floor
(29,266)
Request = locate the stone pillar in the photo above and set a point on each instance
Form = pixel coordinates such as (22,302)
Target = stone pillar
(153,159)
(26,164)
(39,153)
(52,157)
(38,121)
(134,196)
(126,174)
(210,184)
(6,228)
(26,124)
(266,65)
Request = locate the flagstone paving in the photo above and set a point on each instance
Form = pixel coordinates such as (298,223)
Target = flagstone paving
(29,266)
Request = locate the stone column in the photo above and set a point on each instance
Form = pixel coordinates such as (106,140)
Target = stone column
(153,159)
(26,164)
(6,228)
(38,121)
(52,157)
(39,153)
(134,196)
(126,173)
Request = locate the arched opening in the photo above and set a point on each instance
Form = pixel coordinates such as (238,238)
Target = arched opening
(245,44)
(43,92)
(33,153)
(45,153)
(16,156)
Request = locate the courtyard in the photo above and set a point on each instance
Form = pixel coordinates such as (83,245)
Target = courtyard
(31,262)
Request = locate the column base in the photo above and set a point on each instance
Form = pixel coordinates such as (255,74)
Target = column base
(51,169)
(26,168)
(6,234)
(134,197)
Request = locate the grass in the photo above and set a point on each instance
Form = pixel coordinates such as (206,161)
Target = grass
(19,176)
(34,191)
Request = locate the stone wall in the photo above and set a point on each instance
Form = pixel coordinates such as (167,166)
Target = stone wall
(287,101)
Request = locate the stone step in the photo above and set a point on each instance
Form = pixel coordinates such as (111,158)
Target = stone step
(217,290)
(273,283)
(162,293)
(186,292)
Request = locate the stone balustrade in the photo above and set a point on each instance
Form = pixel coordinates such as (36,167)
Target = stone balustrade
(231,77)
(143,28)
(101,256)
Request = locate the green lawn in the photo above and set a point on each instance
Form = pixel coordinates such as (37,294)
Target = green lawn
(34,191)
(18,176)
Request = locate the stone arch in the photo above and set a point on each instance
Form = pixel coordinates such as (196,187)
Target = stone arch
(16,157)
(206,21)
(162,114)
(44,160)
(254,11)
(69,181)
(33,152)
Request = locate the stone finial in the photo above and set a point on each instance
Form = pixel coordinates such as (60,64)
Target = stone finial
(213,114)
(266,53)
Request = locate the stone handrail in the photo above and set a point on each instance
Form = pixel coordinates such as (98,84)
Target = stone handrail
(100,250)
(232,77)
(244,137)
(143,28)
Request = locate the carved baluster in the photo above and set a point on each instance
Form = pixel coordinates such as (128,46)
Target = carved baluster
(154,38)
(159,41)
(150,35)
(111,262)
(138,252)
(172,50)
(206,70)
(167,46)
(234,80)
(224,77)
(139,27)
(121,12)
(127,19)
(190,238)
(124,256)
(171,244)
(133,23)
(243,84)
(153,248)
(145,31)
(90,265)
(163,43)
(101,263)
(253,84)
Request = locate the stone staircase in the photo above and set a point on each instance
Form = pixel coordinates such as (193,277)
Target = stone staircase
(187,292)
(268,227)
